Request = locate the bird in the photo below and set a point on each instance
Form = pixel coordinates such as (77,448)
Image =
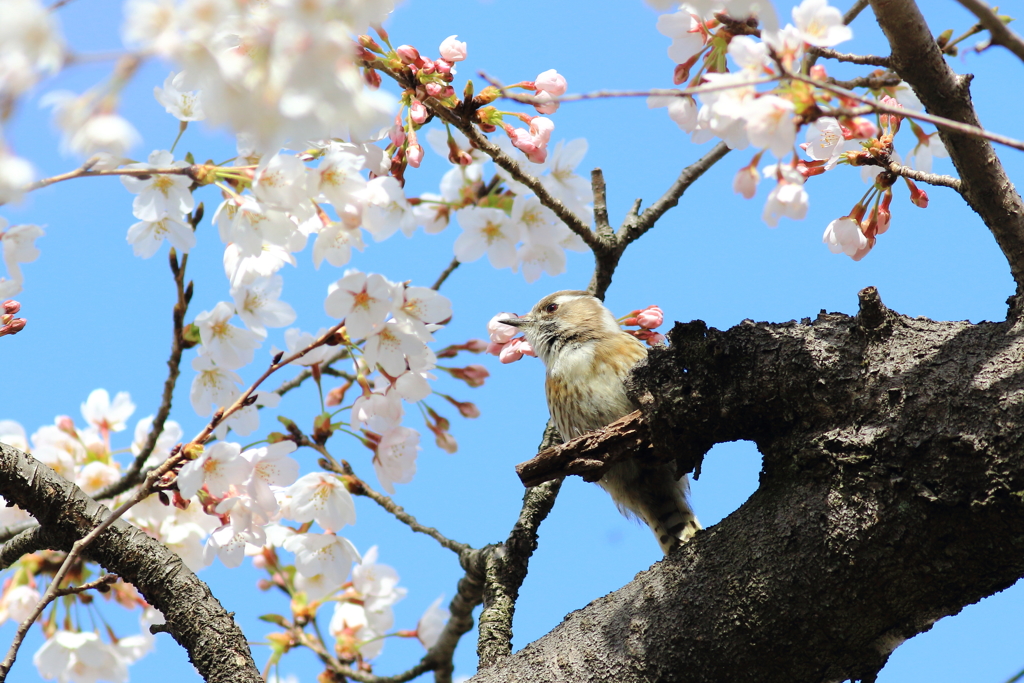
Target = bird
(588,357)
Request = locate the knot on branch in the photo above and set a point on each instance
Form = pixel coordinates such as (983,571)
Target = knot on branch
(873,318)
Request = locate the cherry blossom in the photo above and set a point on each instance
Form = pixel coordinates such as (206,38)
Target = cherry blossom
(416,307)
(147,236)
(182,104)
(160,194)
(16,174)
(826,142)
(213,385)
(350,625)
(486,230)
(452,50)
(80,657)
(30,44)
(770,124)
(230,346)
(259,306)
(788,197)
(246,419)
(844,235)
(681,109)
(395,461)
(219,467)
(746,180)
(337,177)
(271,467)
(335,243)
(927,148)
(319,497)
(361,300)
(684,30)
(386,209)
(107,416)
(377,412)
(819,24)
(432,623)
(18,602)
(18,244)
(326,554)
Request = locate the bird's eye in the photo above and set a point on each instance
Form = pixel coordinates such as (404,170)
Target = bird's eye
(551,308)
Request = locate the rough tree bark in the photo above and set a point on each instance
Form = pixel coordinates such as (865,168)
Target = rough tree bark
(890,497)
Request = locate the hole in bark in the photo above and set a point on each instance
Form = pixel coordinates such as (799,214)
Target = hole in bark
(729,475)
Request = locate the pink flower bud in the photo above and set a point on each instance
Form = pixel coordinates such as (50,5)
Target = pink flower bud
(494,348)
(818,72)
(918,196)
(546,104)
(551,82)
(11,325)
(453,50)
(500,332)
(745,182)
(468,409)
(650,318)
(408,54)
(372,78)
(426,66)
(476,346)
(861,127)
(655,339)
(511,352)
(443,66)
(434,89)
(415,155)
(10,307)
(473,375)
(542,128)
(418,112)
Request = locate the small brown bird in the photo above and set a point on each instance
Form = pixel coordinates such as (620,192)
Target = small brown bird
(588,357)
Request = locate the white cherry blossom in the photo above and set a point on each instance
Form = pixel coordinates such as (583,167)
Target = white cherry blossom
(335,243)
(147,236)
(100,412)
(377,412)
(386,209)
(177,100)
(319,497)
(232,347)
(326,554)
(395,460)
(361,300)
(271,466)
(844,235)
(259,306)
(160,194)
(19,247)
(296,340)
(213,385)
(490,231)
(431,624)
(770,124)
(416,307)
(220,466)
(80,657)
(819,24)
(788,197)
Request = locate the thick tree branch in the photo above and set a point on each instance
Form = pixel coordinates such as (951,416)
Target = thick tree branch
(216,646)
(984,183)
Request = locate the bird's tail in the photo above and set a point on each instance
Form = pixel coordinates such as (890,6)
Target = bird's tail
(652,493)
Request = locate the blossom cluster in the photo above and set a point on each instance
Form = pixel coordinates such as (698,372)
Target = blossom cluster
(230,502)
(704,36)
(17,243)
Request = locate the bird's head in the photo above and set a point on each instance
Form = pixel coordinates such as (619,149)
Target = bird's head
(564,320)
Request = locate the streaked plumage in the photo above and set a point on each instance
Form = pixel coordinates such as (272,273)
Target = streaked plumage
(588,357)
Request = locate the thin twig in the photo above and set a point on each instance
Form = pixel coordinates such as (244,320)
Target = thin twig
(873,82)
(921,176)
(445,273)
(104,580)
(1001,34)
(86,172)
(296,381)
(608,94)
(361,488)
(184,295)
(876,106)
(870,60)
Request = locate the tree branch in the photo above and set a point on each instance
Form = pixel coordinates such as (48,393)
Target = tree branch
(1001,34)
(984,183)
(216,646)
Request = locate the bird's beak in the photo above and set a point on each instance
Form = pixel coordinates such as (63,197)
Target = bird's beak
(517,322)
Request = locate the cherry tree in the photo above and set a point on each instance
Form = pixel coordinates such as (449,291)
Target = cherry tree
(888,496)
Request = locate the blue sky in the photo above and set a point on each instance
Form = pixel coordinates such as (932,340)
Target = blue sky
(100,317)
